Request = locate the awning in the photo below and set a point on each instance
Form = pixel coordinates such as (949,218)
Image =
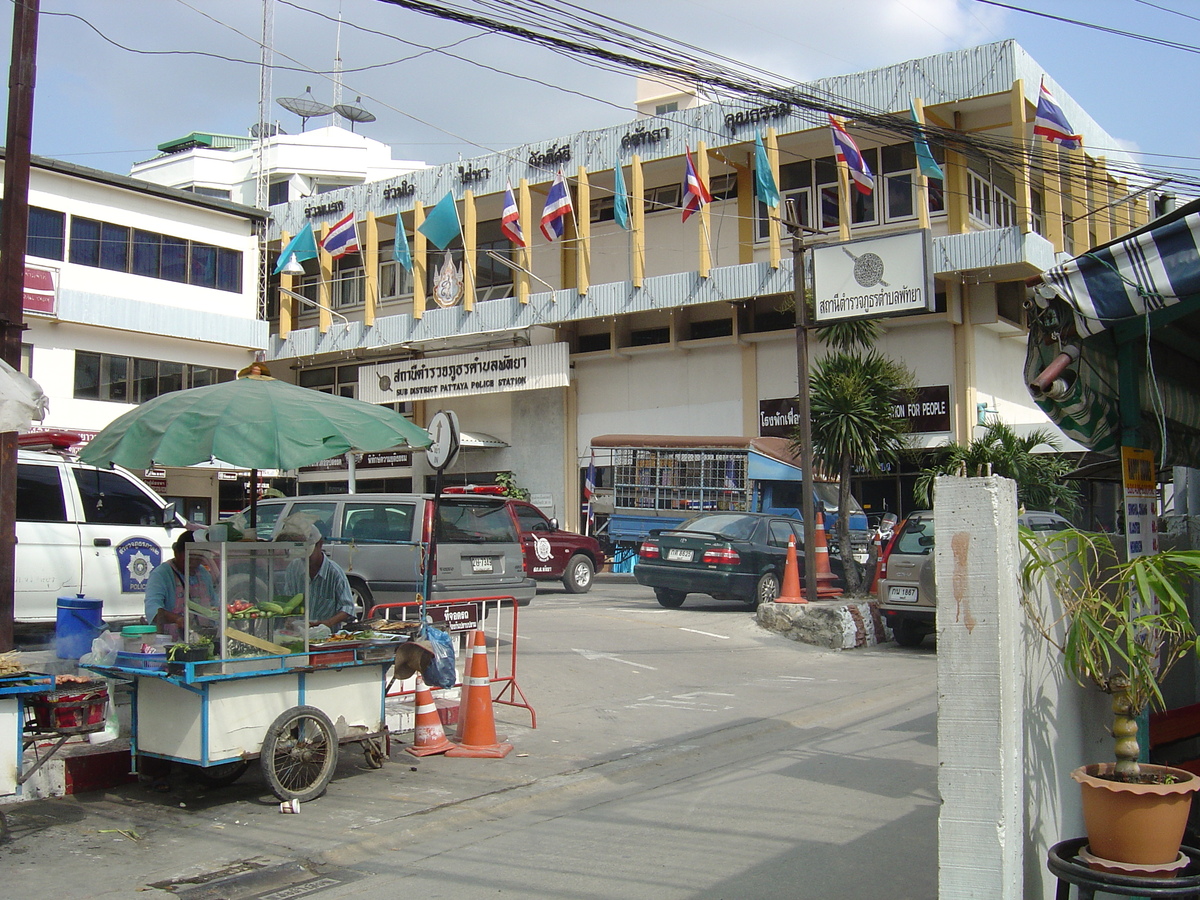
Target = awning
(1121,324)
(477,440)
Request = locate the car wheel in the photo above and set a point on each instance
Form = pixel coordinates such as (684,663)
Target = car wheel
(766,590)
(908,633)
(577,579)
(669,598)
(363,599)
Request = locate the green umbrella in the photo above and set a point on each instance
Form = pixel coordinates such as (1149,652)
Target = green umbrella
(256,422)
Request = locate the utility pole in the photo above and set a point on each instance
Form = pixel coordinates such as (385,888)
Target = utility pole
(807,509)
(14,224)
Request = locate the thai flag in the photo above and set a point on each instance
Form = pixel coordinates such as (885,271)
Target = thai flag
(510,219)
(342,238)
(847,152)
(695,194)
(554,213)
(1051,124)
(589,480)
(730,475)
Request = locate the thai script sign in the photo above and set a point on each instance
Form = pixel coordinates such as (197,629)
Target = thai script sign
(545,159)
(641,137)
(41,291)
(873,277)
(325,209)
(467,374)
(396,191)
(742,118)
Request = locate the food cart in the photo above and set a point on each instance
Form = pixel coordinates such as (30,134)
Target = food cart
(247,681)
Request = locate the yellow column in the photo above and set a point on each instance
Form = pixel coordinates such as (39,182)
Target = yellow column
(1075,199)
(1052,194)
(747,210)
(772,147)
(957,214)
(370,271)
(470,219)
(583,224)
(1140,213)
(1020,146)
(844,214)
(922,182)
(705,260)
(637,219)
(1104,198)
(325,286)
(524,255)
(287,305)
(420,255)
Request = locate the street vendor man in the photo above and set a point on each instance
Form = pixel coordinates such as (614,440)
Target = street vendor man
(330,602)
(165,602)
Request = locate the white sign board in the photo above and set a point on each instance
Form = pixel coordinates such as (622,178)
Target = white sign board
(873,277)
(466,374)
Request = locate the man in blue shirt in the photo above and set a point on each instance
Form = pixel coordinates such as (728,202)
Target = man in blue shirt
(329,599)
(164,601)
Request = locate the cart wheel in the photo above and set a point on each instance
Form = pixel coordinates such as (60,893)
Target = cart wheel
(299,754)
(222,775)
(375,752)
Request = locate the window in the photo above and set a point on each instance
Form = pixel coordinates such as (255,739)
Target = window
(114,247)
(39,494)
(110,499)
(979,199)
(348,288)
(1036,212)
(795,184)
(218,193)
(723,187)
(203,269)
(85,241)
(229,270)
(46,237)
(664,197)
(663,108)
(107,246)
(147,253)
(277,193)
(389,523)
(121,379)
(531,519)
(174,259)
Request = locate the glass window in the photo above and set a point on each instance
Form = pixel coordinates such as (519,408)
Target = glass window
(229,270)
(466,522)
(147,253)
(46,237)
(145,380)
(378,522)
(39,494)
(780,533)
(900,203)
(114,378)
(114,247)
(277,193)
(87,375)
(531,519)
(202,376)
(203,269)
(85,241)
(174,259)
(110,499)
(170,377)
(320,513)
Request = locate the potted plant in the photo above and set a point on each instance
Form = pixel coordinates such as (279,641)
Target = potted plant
(1121,626)
(199,650)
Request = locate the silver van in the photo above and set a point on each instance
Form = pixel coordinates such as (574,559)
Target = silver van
(379,540)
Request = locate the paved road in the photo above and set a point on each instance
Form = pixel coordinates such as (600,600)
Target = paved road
(679,754)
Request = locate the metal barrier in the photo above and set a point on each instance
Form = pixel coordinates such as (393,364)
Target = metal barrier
(461,617)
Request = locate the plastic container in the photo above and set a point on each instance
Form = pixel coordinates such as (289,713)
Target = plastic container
(138,637)
(77,625)
(152,661)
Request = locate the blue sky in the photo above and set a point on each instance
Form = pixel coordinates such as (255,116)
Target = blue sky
(107,106)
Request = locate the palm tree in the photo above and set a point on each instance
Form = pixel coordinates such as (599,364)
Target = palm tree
(1001,451)
(853,397)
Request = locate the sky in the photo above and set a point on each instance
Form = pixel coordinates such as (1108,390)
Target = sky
(115,78)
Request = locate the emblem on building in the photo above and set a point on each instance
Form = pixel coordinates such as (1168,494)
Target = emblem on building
(448,283)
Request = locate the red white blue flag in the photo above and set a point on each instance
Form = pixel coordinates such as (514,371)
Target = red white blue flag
(847,152)
(589,480)
(695,194)
(510,219)
(342,238)
(558,204)
(1051,124)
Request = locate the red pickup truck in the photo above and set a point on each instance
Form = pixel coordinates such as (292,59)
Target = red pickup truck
(551,554)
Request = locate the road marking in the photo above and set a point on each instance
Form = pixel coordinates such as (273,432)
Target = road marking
(694,694)
(594,654)
(723,637)
(634,609)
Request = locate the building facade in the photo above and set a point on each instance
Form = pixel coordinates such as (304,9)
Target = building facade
(687,327)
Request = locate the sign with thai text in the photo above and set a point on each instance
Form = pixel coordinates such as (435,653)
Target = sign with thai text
(1139,480)
(873,277)
(467,374)
(41,291)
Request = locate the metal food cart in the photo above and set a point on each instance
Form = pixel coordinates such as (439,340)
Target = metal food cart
(265,691)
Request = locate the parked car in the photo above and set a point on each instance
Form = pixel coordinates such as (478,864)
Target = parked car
(551,554)
(727,555)
(83,530)
(379,540)
(907,589)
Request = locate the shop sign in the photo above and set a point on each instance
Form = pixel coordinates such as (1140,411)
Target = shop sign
(40,296)
(873,277)
(470,175)
(644,137)
(778,418)
(547,159)
(928,410)
(1140,484)
(742,118)
(384,459)
(454,617)
(325,209)
(156,478)
(396,191)
(467,374)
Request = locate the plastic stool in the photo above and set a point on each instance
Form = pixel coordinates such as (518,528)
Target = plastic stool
(1063,862)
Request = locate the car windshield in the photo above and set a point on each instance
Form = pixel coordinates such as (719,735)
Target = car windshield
(467,522)
(737,528)
(917,536)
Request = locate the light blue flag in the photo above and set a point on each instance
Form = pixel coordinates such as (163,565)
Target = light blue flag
(304,245)
(764,179)
(400,251)
(925,161)
(620,197)
(442,225)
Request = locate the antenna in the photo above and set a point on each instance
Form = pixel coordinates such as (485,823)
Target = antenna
(306,107)
(354,113)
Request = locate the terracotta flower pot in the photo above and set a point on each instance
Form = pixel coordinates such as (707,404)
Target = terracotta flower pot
(1141,824)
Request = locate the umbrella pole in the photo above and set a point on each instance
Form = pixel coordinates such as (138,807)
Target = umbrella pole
(254,503)
(431,551)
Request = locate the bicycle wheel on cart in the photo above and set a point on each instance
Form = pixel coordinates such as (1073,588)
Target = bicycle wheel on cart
(299,754)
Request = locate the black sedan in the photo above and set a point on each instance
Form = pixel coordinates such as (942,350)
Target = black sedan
(727,555)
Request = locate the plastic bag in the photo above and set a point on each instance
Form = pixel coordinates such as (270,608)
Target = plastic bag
(440,673)
(104,650)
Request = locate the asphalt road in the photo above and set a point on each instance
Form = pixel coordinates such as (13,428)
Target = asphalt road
(679,754)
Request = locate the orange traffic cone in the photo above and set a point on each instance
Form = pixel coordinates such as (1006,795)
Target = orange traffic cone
(873,590)
(826,586)
(429,737)
(478,736)
(790,592)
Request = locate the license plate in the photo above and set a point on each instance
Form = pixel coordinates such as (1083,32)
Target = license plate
(900,594)
(677,555)
(481,564)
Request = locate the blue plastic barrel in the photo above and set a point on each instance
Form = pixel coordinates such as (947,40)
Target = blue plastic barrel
(78,625)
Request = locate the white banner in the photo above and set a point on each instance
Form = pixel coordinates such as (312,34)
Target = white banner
(467,374)
(873,277)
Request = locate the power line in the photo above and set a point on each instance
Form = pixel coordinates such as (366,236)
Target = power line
(1162,42)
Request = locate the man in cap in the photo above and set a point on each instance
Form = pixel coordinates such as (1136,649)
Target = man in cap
(330,601)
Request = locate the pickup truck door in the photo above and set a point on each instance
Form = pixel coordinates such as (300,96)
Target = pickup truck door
(48,555)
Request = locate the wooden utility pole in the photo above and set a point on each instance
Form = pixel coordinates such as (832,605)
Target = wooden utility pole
(14,224)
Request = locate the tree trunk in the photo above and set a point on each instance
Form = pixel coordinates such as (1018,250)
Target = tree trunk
(849,566)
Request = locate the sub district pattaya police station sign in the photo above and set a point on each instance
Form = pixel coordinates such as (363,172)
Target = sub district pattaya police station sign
(872,277)
(466,374)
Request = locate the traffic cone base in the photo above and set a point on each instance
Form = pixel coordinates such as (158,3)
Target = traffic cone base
(429,738)
(478,736)
(790,590)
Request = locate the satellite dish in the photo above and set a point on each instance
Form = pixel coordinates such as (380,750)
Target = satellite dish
(306,107)
(354,113)
(269,129)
